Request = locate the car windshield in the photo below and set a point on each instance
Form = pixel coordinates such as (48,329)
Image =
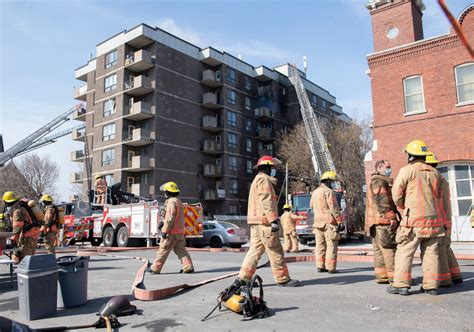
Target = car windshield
(301,202)
(228,225)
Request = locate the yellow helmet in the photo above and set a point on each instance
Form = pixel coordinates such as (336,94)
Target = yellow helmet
(2,216)
(10,197)
(170,186)
(431,158)
(417,148)
(234,303)
(98,176)
(47,198)
(329,175)
(287,206)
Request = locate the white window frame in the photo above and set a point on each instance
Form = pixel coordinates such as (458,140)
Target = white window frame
(110,135)
(108,88)
(461,103)
(422,95)
(108,161)
(109,63)
(112,110)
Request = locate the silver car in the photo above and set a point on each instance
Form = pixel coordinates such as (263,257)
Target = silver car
(221,233)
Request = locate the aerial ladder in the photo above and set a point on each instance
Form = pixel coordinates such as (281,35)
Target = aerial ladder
(38,138)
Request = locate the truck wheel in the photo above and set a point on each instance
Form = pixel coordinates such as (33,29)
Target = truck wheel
(303,241)
(122,237)
(215,242)
(108,237)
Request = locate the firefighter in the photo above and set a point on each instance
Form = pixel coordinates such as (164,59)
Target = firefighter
(262,216)
(172,228)
(51,224)
(25,231)
(288,221)
(327,223)
(449,267)
(417,192)
(100,189)
(381,221)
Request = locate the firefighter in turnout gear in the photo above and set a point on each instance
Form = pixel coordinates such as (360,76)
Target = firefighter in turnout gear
(100,190)
(381,221)
(25,230)
(327,223)
(172,228)
(262,216)
(417,191)
(449,267)
(51,224)
(288,221)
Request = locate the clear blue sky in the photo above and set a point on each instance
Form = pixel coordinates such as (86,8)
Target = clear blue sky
(42,42)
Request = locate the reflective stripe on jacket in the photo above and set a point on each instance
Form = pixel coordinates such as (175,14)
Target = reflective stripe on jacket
(262,204)
(325,207)
(380,207)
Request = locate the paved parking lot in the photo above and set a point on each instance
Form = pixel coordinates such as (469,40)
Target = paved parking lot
(349,300)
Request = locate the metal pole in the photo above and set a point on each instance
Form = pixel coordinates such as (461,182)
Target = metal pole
(286,184)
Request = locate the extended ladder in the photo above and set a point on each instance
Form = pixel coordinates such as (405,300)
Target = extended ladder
(320,155)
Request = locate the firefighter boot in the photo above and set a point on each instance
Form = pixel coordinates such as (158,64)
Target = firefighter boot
(396,290)
(429,291)
(322,270)
(290,283)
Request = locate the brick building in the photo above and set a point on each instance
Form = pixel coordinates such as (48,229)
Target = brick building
(161,109)
(424,89)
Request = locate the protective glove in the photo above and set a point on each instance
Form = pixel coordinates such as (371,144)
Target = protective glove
(275,226)
(164,235)
(340,227)
(160,225)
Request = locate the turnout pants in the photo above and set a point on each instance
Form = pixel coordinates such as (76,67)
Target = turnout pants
(383,242)
(262,239)
(291,242)
(408,242)
(28,248)
(449,268)
(327,239)
(50,239)
(176,243)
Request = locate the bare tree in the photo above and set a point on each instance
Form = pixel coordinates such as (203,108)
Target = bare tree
(11,179)
(42,173)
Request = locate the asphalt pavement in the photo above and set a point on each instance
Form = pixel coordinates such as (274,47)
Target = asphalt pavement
(348,300)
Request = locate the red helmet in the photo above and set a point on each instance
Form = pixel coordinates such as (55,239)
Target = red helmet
(267,160)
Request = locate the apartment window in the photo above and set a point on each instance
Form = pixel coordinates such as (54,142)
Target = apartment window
(248,147)
(314,100)
(108,157)
(324,105)
(111,59)
(109,107)
(233,209)
(248,106)
(231,97)
(110,83)
(233,164)
(231,75)
(233,186)
(465,83)
(108,132)
(248,83)
(232,141)
(414,100)
(248,124)
(232,119)
(249,167)
(464,177)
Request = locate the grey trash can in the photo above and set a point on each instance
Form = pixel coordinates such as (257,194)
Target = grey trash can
(72,281)
(37,286)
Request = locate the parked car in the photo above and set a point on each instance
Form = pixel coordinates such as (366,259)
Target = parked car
(221,233)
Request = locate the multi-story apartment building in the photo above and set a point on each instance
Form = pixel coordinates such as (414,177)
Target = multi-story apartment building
(161,109)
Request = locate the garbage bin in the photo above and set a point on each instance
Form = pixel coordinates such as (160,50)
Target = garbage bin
(37,286)
(72,280)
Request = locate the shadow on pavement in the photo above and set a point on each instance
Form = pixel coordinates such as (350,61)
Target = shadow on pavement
(9,304)
(5,283)
(337,279)
(157,325)
(92,306)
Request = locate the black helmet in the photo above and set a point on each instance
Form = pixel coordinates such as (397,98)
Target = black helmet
(117,306)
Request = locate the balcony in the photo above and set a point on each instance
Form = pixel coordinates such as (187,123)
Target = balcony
(263,113)
(265,91)
(142,190)
(138,85)
(265,134)
(75,177)
(211,78)
(211,123)
(79,134)
(140,137)
(80,93)
(214,194)
(79,115)
(212,147)
(139,61)
(78,155)
(139,111)
(141,164)
(211,170)
(209,100)
(212,57)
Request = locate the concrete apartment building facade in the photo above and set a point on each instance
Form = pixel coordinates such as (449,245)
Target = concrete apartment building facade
(161,109)
(424,89)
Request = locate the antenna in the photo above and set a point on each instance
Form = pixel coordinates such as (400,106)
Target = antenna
(305,64)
